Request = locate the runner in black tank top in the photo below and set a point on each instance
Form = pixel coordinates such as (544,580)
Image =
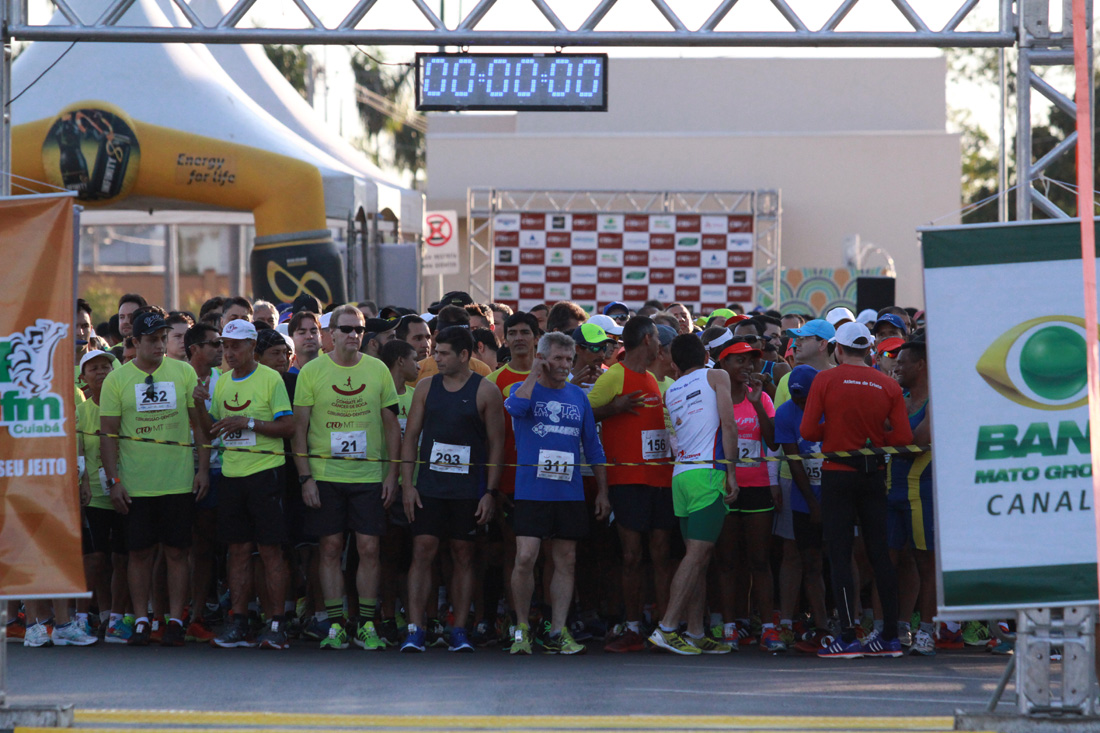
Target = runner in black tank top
(453,438)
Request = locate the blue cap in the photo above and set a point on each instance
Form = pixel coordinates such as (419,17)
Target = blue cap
(802,376)
(893,319)
(818,327)
(665,334)
(617,304)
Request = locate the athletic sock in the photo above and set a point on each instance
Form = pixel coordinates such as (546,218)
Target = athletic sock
(139,619)
(666,629)
(927,627)
(334,607)
(635,626)
(878,624)
(368,608)
(176,620)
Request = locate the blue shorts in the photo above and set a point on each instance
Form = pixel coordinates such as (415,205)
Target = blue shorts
(910,524)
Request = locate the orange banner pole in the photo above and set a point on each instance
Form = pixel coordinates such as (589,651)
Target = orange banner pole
(1086,214)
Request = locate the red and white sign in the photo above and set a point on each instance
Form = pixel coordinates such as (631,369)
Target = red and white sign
(704,261)
(439,256)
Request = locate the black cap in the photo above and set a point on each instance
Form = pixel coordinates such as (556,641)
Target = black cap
(148,322)
(268,337)
(306,302)
(376,326)
(455,297)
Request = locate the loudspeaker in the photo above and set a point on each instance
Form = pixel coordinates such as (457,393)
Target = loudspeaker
(874,292)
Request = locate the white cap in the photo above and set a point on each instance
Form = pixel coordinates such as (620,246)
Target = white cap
(854,335)
(867,316)
(289,341)
(239,330)
(326,319)
(607,323)
(95,354)
(428,317)
(836,315)
(283,328)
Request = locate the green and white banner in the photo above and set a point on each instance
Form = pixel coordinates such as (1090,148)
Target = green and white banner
(1010,429)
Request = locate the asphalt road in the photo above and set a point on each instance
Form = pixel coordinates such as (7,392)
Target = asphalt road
(489,682)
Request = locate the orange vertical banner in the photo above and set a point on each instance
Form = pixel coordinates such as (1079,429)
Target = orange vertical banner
(40,550)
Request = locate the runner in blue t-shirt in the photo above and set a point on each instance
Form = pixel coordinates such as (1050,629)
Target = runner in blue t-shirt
(805,496)
(552,420)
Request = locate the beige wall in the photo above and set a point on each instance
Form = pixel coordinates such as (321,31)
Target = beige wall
(857,146)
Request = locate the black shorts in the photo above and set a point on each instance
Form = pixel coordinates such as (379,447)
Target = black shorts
(250,508)
(807,535)
(357,507)
(160,519)
(106,531)
(643,508)
(447,519)
(562,520)
(754,500)
(295,510)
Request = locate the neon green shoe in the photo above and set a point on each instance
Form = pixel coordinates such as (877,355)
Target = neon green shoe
(707,645)
(566,644)
(673,642)
(337,638)
(367,638)
(975,633)
(521,643)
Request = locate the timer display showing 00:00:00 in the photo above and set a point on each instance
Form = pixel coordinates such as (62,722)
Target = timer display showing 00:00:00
(465,72)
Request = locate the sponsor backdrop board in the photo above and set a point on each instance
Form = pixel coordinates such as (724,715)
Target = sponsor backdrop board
(705,261)
(40,552)
(1012,467)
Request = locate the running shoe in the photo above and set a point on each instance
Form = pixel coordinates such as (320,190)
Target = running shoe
(725,632)
(745,636)
(315,629)
(597,627)
(293,627)
(459,642)
(437,632)
(813,641)
(923,644)
(174,635)
(37,635)
(198,631)
(367,638)
(337,638)
(484,634)
(140,636)
(1004,647)
(16,631)
(236,634)
(156,631)
(387,630)
(975,633)
(788,636)
(119,632)
(950,639)
(672,641)
(630,641)
(274,637)
(841,649)
(905,634)
(521,640)
(579,630)
(707,645)
(414,640)
(72,634)
(875,646)
(770,641)
(568,645)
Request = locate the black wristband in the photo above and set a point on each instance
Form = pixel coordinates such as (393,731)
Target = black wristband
(302,479)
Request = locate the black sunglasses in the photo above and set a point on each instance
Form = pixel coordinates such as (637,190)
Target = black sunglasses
(595,349)
(217,343)
(352,329)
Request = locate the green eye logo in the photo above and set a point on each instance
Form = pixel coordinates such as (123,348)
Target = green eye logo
(1039,363)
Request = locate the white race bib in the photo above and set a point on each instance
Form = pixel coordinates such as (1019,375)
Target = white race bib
(813,469)
(156,396)
(80,466)
(103,482)
(447,458)
(239,439)
(351,444)
(555,465)
(748,450)
(402,421)
(654,445)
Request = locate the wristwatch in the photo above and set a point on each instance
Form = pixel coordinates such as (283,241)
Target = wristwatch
(251,423)
(302,479)
(111,483)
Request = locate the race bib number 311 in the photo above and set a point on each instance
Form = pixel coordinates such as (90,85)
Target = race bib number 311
(556,465)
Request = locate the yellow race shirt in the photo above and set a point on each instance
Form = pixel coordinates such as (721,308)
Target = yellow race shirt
(262,396)
(87,438)
(157,409)
(346,417)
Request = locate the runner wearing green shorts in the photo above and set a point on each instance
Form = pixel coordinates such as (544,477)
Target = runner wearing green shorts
(704,431)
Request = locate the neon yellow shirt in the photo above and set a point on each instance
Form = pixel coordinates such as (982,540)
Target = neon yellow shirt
(87,427)
(783,394)
(262,396)
(157,410)
(346,418)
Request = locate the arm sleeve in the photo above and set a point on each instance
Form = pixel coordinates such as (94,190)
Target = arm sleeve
(606,388)
(900,432)
(812,428)
(517,406)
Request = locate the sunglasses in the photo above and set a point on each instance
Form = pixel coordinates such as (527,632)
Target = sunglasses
(217,343)
(621,317)
(150,391)
(352,329)
(597,349)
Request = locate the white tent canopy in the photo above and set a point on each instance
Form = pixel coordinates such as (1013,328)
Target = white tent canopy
(231,93)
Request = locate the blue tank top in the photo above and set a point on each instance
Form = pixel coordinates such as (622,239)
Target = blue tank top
(912,472)
(453,435)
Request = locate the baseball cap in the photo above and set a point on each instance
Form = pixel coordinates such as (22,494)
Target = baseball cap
(817,327)
(455,297)
(94,354)
(665,334)
(892,319)
(723,312)
(239,330)
(306,302)
(617,304)
(854,335)
(836,315)
(607,323)
(867,316)
(148,322)
(589,334)
(376,326)
(802,376)
(738,347)
(268,337)
(890,345)
(326,320)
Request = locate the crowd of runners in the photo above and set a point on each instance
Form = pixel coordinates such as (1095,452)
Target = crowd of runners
(471,476)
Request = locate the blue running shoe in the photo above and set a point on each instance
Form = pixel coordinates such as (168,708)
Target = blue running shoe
(841,649)
(414,641)
(875,646)
(459,642)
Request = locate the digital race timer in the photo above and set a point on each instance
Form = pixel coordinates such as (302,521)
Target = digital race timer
(538,82)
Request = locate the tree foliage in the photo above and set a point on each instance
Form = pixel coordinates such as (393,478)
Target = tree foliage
(293,63)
